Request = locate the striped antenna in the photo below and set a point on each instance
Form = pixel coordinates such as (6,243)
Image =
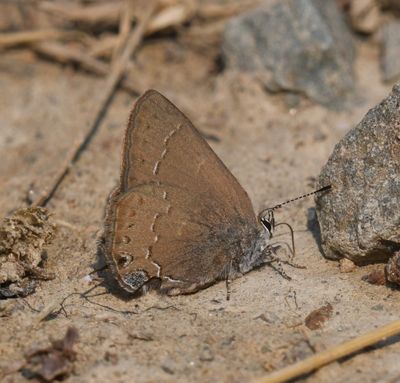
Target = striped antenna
(328,187)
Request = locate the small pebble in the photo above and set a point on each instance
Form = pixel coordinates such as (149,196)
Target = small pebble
(168,367)
(268,317)
(346,266)
(375,277)
(206,355)
(393,269)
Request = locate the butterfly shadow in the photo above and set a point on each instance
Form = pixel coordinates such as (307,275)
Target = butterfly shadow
(313,226)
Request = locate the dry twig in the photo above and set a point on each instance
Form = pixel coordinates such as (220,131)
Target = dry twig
(219,11)
(104,13)
(108,90)
(12,39)
(64,54)
(103,46)
(172,16)
(316,361)
(125,27)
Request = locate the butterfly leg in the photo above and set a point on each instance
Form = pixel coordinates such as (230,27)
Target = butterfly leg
(228,280)
(274,261)
(292,249)
(288,250)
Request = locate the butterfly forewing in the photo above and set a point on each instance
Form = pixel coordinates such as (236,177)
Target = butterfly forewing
(162,146)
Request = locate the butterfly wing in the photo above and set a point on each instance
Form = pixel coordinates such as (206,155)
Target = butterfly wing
(179,214)
(162,146)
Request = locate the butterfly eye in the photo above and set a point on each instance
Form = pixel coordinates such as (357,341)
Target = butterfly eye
(267,219)
(267,225)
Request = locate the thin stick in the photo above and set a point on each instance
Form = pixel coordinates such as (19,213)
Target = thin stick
(316,361)
(103,13)
(108,90)
(55,181)
(125,27)
(119,66)
(103,46)
(10,39)
(172,12)
(173,16)
(218,11)
(64,54)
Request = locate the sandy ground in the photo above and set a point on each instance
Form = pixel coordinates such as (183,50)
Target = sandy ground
(274,151)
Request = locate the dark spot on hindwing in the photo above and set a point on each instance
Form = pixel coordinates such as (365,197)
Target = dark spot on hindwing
(136,279)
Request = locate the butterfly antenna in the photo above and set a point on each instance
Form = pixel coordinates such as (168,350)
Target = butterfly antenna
(328,187)
(267,219)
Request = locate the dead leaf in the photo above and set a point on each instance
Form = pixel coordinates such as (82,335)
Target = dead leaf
(318,317)
(55,361)
(375,277)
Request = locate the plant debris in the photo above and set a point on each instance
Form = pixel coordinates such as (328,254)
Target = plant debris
(23,237)
(375,277)
(393,269)
(52,362)
(318,317)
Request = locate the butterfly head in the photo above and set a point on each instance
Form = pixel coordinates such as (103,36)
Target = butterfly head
(267,220)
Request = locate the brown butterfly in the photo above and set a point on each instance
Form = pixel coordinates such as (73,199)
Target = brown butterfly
(179,219)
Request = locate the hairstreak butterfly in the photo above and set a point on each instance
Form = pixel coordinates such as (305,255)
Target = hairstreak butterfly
(179,219)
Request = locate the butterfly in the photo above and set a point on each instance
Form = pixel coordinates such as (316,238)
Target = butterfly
(178,220)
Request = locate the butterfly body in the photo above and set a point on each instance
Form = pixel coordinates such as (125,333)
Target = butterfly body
(178,218)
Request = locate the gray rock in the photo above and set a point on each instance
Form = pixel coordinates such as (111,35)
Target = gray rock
(390,55)
(297,45)
(360,217)
(394,5)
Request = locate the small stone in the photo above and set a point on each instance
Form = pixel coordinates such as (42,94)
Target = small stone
(393,269)
(359,217)
(268,317)
(227,342)
(346,266)
(390,51)
(265,349)
(294,45)
(21,288)
(365,15)
(111,357)
(168,367)
(391,4)
(7,307)
(206,354)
